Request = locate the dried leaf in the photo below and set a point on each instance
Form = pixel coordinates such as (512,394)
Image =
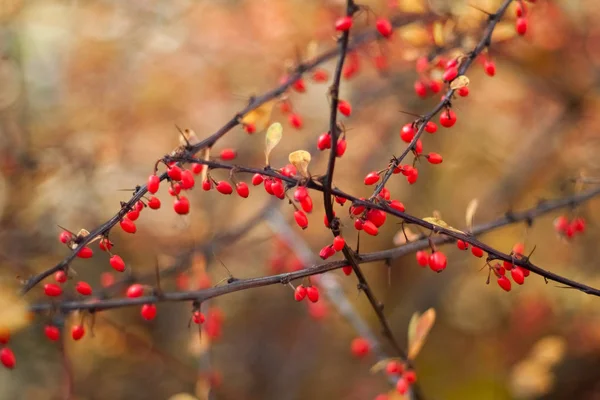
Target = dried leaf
(300,159)
(418,329)
(260,116)
(442,223)
(272,139)
(187,136)
(459,82)
(471,209)
(400,237)
(438,33)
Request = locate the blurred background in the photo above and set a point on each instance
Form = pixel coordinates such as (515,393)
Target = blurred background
(90,92)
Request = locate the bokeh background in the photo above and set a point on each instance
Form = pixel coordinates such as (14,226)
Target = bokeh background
(90,92)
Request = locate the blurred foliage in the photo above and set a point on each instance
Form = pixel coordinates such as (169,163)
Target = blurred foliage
(90,92)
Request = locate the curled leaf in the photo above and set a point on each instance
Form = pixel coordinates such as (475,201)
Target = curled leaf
(471,209)
(260,116)
(459,82)
(442,223)
(418,329)
(300,159)
(272,139)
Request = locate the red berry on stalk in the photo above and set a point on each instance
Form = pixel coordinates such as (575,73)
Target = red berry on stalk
(299,293)
(77,332)
(371,178)
(447,118)
(430,127)
(435,86)
(412,175)
(578,224)
(105,244)
(299,86)
(561,224)
(394,367)
(307,204)
(60,276)
(174,173)
(462,245)
(437,261)
(65,237)
(250,128)
(154,203)
(257,179)
(148,312)
(504,283)
(520,9)
(340,200)
(420,89)
(198,317)
(407,133)
(174,189)
(342,24)
(320,75)
(477,252)
(278,189)
(7,357)
(324,141)
(369,228)
(117,263)
(434,158)
(338,243)
(242,189)
(52,290)
(410,376)
(397,205)
(181,205)
(377,217)
(52,332)
(133,215)
(360,347)
(326,252)
(295,120)
(463,91)
(85,252)
(153,183)
(517,275)
(358,224)
(187,180)
(4,335)
(83,288)
(402,386)
(341,147)
(135,290)
(197,168)
(345,108)
(347,269)
(422,258)
(300,193)
(224,187)
(418,147)
(489,67)
(384,27)
(450,74)
(128,225)
(312,292)
(301,219)
(521,25)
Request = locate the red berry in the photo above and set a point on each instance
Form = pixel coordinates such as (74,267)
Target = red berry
(384,27)
(4,335)
(450,74)
(477,252)
(504,283)
(128,225)
(65,237)
(289,170)
(312,293)
(154,203)
(518,249)
(343,24)
(174,189)
(410,376)
(7,357)
(418,147)
(250,128)
(381,62)
(197,168)
(107,279)
(320,75)
(299,86)
(300,193)
(60,276)
(521,25)
(301,219)
(181,205)
(105,244)
(402,386)
(338,243)
(578,224)
(407,133)
(135,290)
(117,263)
(463,91)
(358,224)
(435,86)
(139,206)
(340,200)
(489,67)
(133,215)
(422,64)
(520,9)
(228,154)
(174,173)
(307,204)
(448,118)
(85,252)
(198,317)
(394,367)
(371,178)
(360,347)
(385,193)
(83,288)
(347,269)
(517,275)
(257,179)
(397,205)
(153,183)
(77,332)
(377,217)
(561,224)
(242,189)
(420,89)
(324,141)
(412,176)
(437,261)
(370,228)
(187,180)
(52,332)
(295,120)
(462,245)
(224,187)
(278,189)
(341,147)
(148,312)
(430,127)
(299,293)
(52,290)
(326,252)
(345,108)
(422,258)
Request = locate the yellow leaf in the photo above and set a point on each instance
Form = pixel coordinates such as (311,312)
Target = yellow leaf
(260,116)
(418,329)
(442,223)
(300,159)
(471,209)
(274,134)
(459,82)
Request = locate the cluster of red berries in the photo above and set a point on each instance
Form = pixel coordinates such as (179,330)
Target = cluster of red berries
(437,260)
(324,143)
(567,228)
(310,292)
(7,357)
